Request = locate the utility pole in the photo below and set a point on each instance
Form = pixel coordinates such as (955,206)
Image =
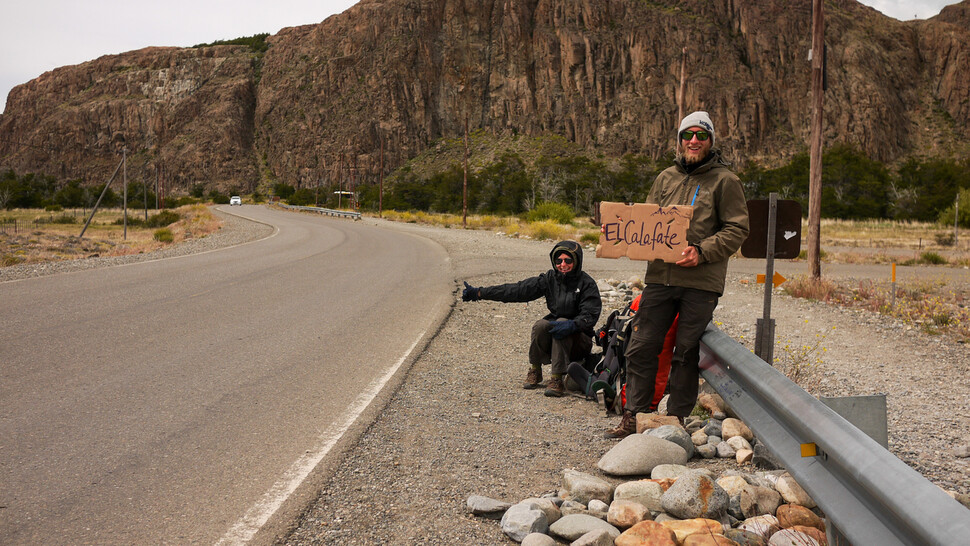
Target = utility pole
(683,86)
(815,165)
(380,193)
(464,188)
(124,177)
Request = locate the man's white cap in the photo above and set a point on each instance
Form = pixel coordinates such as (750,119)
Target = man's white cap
(699,119)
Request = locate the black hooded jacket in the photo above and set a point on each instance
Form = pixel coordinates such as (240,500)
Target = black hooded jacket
(572,296)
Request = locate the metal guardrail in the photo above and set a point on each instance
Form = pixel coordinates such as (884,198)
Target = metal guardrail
(869,495)
(328,212)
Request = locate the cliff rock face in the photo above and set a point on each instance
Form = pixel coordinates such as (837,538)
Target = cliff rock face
(188,112)
(604,73)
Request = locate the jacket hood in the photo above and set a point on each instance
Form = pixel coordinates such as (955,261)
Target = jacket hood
(574,250)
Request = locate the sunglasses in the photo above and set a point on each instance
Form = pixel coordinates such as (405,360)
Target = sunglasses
(564,260)
(701,135)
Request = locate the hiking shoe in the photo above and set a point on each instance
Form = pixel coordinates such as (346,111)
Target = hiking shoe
(555,388)
(533,378)
(627,426)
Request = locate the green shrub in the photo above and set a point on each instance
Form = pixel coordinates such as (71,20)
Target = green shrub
(132,221)
(53,208)
(164,218)
(590,237)
(64,219)
(164,235)
(557,212)
(933,258)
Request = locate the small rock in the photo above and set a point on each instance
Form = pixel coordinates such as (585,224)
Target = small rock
(813,532)
(487,507)
(713,404)
(764,458)
(791,515)
(762,526)
(573,526)
(725,451)
(548,507)
(697,526)
(538,539)
(733,485)
(649,421)
(708,540)
(745,538)
(598,508)
(668,471)
(744,456)
(624,514)
(646,532)
(735,427)
(583,487)
(644,492)
(522,519)
(638,454)
(699,438)
(758,501)
(675,434)
(962,451)
(570,507)
(789,537)
(792,492)
(713,428)
(706,451)
(739,443)
(594,538)
(695,495)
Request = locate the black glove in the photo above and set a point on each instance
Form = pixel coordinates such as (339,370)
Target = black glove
(470,293)
(563,328)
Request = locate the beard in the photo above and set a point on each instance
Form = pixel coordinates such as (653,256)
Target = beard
(693,158)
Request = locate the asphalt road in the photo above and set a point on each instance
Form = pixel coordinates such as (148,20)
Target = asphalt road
(188,400)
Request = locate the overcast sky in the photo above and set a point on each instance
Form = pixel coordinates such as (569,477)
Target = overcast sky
(40,35)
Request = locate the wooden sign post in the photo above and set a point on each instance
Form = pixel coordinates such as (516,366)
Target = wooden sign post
(643,231)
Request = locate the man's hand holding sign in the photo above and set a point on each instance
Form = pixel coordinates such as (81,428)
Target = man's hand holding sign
(646,232)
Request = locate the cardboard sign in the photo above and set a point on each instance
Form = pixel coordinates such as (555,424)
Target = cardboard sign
(643,231)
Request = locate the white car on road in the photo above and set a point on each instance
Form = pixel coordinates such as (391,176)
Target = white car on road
(235,200)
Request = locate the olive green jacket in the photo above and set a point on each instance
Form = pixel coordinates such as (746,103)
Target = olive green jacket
(717,228)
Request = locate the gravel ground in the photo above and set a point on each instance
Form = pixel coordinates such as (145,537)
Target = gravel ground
(460,424)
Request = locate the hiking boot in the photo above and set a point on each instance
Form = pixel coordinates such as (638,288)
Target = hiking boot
(627,426)
(555,388)
(533,378)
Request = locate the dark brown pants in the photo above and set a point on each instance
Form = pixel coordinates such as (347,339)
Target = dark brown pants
(659,305)
(546,349)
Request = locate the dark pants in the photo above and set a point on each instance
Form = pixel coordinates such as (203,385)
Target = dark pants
(546,349)
(659,305)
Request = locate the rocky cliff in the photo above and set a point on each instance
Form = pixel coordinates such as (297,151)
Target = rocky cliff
(603,73)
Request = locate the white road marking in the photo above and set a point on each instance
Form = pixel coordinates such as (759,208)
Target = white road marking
(246,528)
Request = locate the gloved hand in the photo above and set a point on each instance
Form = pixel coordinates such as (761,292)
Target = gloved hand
(563,328)
(470,293)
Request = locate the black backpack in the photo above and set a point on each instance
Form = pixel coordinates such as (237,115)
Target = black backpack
(607,372)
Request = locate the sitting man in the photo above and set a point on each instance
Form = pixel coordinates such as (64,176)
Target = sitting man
(573,300)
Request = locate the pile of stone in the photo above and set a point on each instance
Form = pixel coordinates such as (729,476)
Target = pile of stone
(676,505)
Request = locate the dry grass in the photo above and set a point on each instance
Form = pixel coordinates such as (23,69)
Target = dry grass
(933,307)
(508,225)
(43,241)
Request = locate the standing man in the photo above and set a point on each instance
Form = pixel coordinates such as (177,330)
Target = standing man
(692,285)
(565,334)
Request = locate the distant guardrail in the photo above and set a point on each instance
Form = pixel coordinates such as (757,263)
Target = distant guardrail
(869,495)
(328,212)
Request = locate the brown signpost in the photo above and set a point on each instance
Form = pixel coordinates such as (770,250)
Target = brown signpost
(643,231)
